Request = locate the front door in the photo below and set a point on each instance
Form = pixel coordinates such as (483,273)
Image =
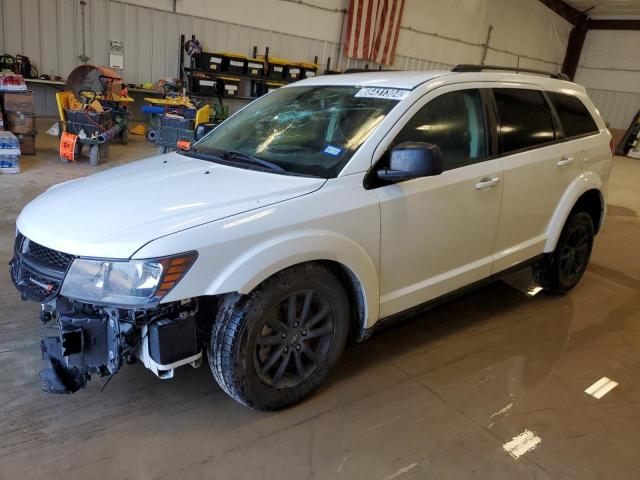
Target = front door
(437,233)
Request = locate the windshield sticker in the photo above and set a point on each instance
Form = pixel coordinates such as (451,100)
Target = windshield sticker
(389,93)
(333,151)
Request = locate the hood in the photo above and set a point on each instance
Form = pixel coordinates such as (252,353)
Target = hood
(115,212)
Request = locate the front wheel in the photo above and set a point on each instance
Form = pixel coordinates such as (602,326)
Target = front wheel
(563,269)
(274,347)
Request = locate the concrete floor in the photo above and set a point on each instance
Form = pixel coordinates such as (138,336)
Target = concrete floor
(435,397)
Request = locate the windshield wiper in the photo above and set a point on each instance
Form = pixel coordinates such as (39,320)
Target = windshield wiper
(250,158)
(232,156)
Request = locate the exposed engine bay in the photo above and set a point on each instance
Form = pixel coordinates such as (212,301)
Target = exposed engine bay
(98,340)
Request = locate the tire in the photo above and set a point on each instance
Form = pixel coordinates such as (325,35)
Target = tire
(262,352)
(124,136)
(563,269)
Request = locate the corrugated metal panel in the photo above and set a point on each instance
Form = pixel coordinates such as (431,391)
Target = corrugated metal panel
(172,49)
(30,23)
(617,108)
(151,44)
(159,45)
(48,37)
(98,32)
(68,47)
(145,45)
(2,17)
(114,15)
(12,20)
(130,30)
(150,36)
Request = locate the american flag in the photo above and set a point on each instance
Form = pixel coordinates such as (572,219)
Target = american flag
(372,30)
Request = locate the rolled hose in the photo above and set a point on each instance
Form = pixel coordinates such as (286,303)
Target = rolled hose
(109,134)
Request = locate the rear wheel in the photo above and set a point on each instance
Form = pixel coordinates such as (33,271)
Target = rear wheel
(564,268)
(275,346)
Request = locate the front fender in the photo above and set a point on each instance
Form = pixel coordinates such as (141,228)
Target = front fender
(265,259)
(581,184)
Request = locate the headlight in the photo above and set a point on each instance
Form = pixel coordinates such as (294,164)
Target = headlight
(134,283)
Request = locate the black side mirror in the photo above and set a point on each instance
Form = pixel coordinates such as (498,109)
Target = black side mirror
(202,129)
(412,160)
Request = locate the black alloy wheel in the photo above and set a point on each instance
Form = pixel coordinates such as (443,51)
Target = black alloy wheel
(561,270)
(276,345)
(574,254)
(294,339)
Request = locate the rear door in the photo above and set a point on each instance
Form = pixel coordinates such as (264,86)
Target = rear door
(576,125)
(538,168)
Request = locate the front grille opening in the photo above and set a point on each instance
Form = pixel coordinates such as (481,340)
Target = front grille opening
(48,257)
(39,285)
(37,270)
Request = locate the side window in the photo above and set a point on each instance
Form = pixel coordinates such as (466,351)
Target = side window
(574,116)
(454,122)
(524,118)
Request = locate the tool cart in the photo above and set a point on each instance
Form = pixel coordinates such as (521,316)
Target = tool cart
(93,110)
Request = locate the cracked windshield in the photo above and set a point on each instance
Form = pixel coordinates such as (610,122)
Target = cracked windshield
(304,130)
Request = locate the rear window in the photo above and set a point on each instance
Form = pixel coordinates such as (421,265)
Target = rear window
(574,116)
(524,118)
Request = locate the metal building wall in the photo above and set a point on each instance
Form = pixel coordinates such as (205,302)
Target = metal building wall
(525,33)
(610,69)
(49,31)
(616,107)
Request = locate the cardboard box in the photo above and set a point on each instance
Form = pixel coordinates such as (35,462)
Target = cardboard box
(21,123)
(19,102)
(27,144)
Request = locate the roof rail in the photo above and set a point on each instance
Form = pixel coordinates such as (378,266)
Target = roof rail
(466,67)
(368,70)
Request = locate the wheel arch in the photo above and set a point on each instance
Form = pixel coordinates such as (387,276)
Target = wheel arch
(583,194)
(356,294)
(347,260)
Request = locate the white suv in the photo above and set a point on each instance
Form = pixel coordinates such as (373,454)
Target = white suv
(314,214)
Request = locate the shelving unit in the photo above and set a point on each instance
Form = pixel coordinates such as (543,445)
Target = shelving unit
(187,74)
(241,76)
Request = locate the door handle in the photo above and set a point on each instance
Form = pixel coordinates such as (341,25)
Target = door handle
(488,182)
(565,161)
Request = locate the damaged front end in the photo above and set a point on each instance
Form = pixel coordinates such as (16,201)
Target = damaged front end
(97,339)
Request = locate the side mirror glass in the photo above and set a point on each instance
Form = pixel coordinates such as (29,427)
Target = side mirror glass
(202,129)
(413,160)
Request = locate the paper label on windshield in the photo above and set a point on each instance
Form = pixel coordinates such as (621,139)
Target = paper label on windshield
(376,92)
